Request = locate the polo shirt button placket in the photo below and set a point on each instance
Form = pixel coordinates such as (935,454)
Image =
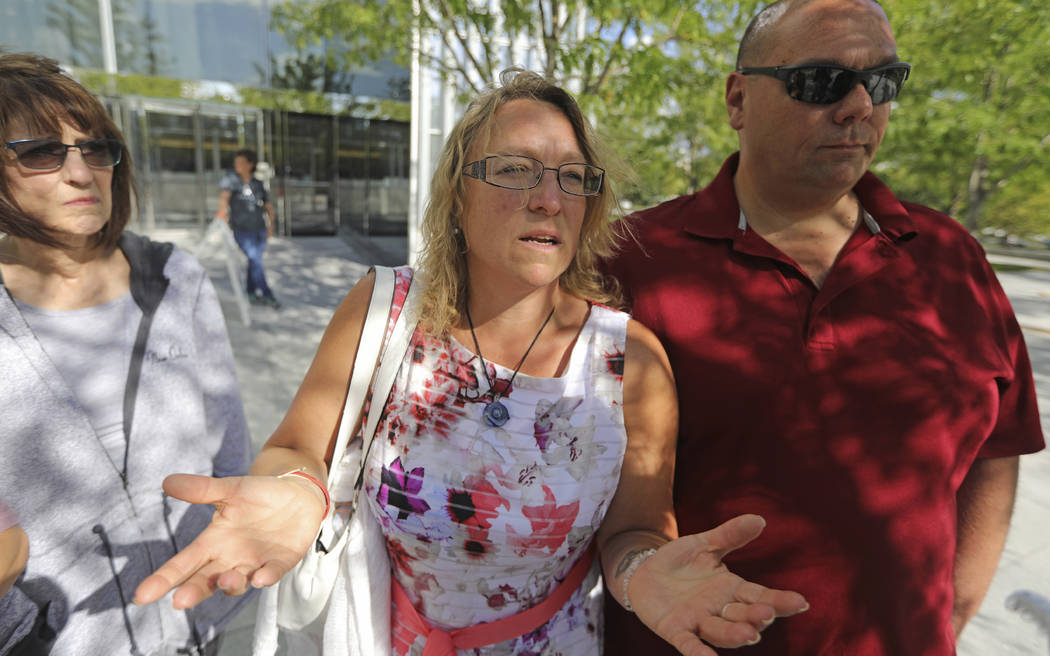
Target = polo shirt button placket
(821,333)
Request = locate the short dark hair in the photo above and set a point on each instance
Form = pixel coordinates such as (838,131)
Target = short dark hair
(755,42)
(39,97)
(248,154)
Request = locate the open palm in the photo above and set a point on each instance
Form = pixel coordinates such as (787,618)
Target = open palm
(684,593)
(262,526)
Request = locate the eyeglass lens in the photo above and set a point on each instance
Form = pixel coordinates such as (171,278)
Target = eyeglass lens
(519,172)
(826,84)
(47,155)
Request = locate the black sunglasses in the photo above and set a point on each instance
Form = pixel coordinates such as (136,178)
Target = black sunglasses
(823,84)
(49,155)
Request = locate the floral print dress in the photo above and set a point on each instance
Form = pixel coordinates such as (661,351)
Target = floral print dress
(482,523)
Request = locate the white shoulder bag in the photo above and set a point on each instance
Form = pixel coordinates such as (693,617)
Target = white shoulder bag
(361,596)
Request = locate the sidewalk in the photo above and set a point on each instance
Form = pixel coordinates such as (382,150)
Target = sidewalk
(310,276)
(1003,626)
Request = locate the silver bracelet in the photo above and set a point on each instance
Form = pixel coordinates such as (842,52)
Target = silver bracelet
(637,558)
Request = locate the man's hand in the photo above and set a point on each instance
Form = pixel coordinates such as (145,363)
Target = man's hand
(685,594)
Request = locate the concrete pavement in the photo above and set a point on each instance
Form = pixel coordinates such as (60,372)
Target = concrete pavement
(310,275)
(1025,566)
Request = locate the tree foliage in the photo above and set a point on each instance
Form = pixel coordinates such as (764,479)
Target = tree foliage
(650,72)
(140,47)
(307,71)
(970,134)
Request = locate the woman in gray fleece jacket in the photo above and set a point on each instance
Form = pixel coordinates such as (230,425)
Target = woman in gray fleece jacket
(116,371)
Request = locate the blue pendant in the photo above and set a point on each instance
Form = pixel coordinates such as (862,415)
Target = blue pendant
(495,414)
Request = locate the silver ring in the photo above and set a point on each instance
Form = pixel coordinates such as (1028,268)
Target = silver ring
(722,613)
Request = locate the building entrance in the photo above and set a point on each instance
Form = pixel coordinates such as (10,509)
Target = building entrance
(323,172)
(181,154)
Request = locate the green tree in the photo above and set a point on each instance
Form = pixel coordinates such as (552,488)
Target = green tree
(149,55)
(140,47)
(78,20)
(651,72)
(972,133)
(665,111)
(307,71)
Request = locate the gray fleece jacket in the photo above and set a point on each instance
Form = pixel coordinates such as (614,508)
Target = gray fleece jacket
(92,536)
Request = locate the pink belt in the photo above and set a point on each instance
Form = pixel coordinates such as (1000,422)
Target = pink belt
(445,643)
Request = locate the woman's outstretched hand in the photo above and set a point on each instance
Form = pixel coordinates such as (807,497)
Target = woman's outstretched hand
(262,527)
(685,594)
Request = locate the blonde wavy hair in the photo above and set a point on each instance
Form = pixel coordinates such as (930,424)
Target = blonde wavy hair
(443,265)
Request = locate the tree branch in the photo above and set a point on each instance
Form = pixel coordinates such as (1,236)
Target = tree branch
(617,45)
(585,79)
(439,63)
(486,49)
(1025,162)
(484,72)
(548,37)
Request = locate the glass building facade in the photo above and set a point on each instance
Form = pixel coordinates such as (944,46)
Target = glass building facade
(197,79)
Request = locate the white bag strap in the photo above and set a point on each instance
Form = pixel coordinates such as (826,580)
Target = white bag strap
(389,363)
(368,350)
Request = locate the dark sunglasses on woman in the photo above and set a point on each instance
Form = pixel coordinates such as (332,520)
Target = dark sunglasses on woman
(824,84)
(49,155)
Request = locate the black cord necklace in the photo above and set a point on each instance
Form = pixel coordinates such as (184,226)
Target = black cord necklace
(495,413)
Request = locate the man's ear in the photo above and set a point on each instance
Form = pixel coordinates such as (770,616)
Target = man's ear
(735,85)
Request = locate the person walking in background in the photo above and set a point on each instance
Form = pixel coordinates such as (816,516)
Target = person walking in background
(847,364)
(117,371)
(245,204)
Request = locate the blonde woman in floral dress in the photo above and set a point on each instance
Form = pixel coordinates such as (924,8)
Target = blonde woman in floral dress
(529,423)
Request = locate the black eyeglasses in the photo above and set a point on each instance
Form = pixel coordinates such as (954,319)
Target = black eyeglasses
(823,84)
(49,155)
(521,172)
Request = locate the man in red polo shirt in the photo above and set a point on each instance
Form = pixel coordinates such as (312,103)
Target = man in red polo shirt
(847,364)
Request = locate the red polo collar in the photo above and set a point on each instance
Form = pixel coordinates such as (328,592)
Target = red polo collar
(716,215)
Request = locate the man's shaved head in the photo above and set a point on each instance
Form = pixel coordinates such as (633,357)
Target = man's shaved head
(760,36)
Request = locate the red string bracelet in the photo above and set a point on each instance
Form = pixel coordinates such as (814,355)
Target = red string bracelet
(301,472)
